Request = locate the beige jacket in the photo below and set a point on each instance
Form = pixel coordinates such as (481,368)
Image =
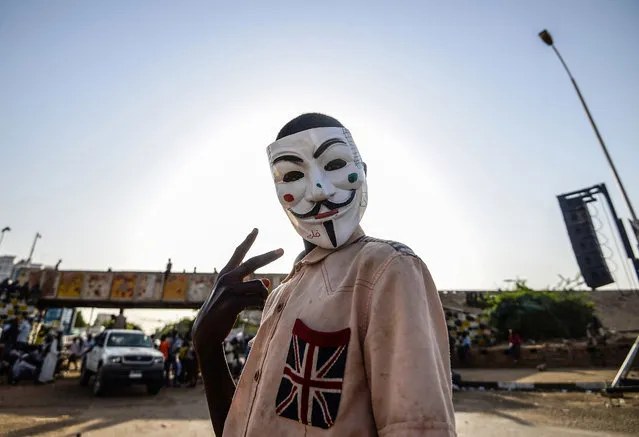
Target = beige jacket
(353,343)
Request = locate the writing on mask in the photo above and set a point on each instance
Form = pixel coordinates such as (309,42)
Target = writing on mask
(314,234)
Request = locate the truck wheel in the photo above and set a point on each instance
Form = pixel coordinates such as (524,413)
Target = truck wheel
(98,383)
(85,374)
(153,388)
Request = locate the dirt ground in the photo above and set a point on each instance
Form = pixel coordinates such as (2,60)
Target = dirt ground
(587,411)
(65,409)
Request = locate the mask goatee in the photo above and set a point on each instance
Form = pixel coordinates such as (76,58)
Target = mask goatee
(330,230)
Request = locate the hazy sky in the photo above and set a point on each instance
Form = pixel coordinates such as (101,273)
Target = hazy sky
(131,132)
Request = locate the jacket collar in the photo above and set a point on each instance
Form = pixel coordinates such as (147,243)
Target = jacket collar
(319,253)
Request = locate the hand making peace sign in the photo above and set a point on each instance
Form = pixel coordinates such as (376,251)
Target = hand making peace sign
(231,295)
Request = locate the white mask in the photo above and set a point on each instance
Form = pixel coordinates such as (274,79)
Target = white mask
(320,181)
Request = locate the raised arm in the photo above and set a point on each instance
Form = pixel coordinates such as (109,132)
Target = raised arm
(216,318)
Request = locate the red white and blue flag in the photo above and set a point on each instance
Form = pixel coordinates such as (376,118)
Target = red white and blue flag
(312,379)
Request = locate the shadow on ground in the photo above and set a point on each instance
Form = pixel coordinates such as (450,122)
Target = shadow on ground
(493,402)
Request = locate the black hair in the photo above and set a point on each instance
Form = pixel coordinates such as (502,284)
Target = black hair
(307,121)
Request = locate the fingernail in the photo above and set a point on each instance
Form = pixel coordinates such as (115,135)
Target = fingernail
(279,252)
(254,231)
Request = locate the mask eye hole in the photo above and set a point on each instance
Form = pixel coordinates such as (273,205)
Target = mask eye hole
(335,164)
(292,176)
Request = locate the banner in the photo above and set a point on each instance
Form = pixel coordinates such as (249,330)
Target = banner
(50,279)
(148,287)
(123,286)
(97,286)
(70,285)
(175,286)
(200,286)
(141,289)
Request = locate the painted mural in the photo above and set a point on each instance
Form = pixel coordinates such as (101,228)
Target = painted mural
(97,286)
(476,325)
(70,285)
(35,276)
(148,287)
(92,286)
(175,287)
(200,287)
(49,284)
(123,286)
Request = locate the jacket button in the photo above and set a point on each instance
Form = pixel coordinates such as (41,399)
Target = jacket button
(279,307)
(256,377)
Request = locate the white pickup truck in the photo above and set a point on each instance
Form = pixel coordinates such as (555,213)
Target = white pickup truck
(123,357)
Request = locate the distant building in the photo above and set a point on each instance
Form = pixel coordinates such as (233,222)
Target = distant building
(20,266)
(6,266)
(23,264)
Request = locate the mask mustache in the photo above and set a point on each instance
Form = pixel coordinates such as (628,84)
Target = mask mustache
(327,203)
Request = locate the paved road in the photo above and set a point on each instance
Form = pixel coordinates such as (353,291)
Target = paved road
(535,376)
(64,409)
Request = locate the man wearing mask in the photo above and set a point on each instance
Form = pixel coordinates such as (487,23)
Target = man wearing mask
(354,341)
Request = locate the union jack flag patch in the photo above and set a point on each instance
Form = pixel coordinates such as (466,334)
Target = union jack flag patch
(311,385)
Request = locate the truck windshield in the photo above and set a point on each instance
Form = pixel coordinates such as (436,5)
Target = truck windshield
(133,339)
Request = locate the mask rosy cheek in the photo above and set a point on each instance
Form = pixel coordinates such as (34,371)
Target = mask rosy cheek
(288,198)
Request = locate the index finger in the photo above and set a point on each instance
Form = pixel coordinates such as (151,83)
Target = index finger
(240,252)
(256,262)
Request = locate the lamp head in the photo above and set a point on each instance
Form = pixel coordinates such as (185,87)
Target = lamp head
(546,37)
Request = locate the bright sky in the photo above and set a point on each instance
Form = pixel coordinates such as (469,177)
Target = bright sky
(131,132)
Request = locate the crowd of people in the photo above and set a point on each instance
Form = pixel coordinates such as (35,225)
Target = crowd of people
(10,290)
(40,361)
(44,361)
(236,349)
(30,351)
(180,361)
(462,346)
(181,367)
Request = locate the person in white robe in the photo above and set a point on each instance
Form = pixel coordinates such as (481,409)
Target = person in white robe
(50,361)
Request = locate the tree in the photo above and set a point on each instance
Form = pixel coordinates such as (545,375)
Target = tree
(183,327)
(133,326)
(543,314)
(79,321)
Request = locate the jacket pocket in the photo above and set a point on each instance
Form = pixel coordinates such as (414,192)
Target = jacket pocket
(313,376)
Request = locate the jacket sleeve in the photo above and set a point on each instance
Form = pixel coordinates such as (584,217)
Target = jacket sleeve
(406,353)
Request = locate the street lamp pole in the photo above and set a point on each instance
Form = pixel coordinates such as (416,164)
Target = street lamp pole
(5,229)
(547,38)
(35,240)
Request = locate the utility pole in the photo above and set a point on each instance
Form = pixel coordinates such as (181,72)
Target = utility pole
(5,229)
